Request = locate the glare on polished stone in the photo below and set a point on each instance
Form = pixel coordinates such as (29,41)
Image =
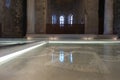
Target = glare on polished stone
(65,62)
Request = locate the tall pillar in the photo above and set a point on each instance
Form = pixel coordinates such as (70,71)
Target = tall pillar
(108,21)
(30,16)
(91,16)
(40,18)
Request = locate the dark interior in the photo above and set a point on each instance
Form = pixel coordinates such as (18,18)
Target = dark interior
(65,7)
(101,16)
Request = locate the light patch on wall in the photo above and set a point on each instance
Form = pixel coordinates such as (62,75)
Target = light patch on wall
(54,20)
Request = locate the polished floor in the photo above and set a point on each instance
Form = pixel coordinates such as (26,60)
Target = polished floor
(65,62)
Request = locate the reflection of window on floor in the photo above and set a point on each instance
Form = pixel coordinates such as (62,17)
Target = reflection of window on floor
(61,56)
(7,3)
(71,57)
(70,19)
(61,21)
(54,19)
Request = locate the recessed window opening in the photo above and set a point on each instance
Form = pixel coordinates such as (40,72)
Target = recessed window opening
(62,21)
(70,19)
(54,19)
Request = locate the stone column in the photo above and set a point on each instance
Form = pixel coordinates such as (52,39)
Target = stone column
(91,16)
(30,16)
(40,16)
(108,21)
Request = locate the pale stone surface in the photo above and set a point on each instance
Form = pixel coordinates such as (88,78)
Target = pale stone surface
(30,16)
(108,21)
(65,62)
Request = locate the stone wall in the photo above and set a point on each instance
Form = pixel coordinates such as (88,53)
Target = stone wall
(75,7)
(117,17)
(13,21)
(13,18)
(1,10)
(1,16)
(86,10)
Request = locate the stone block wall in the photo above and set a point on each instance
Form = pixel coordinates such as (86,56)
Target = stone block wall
(1,16)
(1,9)
(117,17)
(12,18)
(75,7)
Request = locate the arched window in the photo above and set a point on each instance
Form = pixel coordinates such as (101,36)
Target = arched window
(62,20)
(7,3)
(54,19)
(70,19)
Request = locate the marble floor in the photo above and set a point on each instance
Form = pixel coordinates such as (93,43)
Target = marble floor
(65,62)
